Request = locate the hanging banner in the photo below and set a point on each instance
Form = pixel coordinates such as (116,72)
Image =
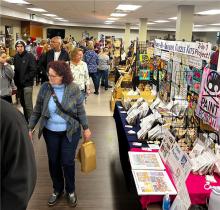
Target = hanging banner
(208,107)
(200,50)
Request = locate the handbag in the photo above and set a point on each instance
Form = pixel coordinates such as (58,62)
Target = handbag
(60,106)
(87,156)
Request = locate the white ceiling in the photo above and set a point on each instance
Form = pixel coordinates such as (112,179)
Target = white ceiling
(95,12)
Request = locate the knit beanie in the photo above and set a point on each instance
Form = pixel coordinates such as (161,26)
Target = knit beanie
(20,42)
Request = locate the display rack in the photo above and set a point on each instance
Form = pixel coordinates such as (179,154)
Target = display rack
(178,78)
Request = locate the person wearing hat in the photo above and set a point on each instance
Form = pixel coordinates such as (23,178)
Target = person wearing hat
(25,69)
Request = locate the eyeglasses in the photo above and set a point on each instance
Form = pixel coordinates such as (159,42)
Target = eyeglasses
(53,76)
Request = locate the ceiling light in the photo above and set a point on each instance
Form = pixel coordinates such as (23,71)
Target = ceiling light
(16,1)
(37,9)
(173,18)
(109,21)
(198,25)
(50,15)
(161,21)
(210,12)
(63,20)
(150,23)
(118,14)
(215,24)
(111,18)
(59,18)
(127,7)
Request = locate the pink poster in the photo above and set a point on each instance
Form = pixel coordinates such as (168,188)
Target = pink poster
(208,107)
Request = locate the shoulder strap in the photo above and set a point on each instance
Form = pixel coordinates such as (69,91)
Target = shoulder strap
(53,94)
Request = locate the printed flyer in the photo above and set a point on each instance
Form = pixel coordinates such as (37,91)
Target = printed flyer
(146,160)
(208,107)
(153,183)
(179,164)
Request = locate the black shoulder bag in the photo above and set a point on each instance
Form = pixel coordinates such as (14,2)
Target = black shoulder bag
(60,106)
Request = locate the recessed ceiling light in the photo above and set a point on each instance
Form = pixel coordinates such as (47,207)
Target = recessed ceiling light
(118,14)
(150,23)
(50,15)
(16,1)
(109,21)
(161,21)
(198,25)
(111,18)
(63,20)
(173,18)
(210,12)
(127,7)
(37,9)
(59,18)
(215,24)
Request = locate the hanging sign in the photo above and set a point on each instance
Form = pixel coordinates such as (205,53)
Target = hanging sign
(200,50)
(165,55)
(208,107)
(195,62)
(157,51)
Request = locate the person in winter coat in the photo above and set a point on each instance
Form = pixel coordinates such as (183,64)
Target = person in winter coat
(54,54)
(25,70)
(18,167)
(61,129)
(6,78)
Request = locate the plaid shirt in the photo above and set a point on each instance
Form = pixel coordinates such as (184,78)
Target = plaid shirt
(72,101)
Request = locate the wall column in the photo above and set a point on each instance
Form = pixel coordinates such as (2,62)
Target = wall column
(143,29)
(184,23)
(127,37)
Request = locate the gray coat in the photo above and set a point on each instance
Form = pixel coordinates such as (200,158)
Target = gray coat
(72,101)
(6,79)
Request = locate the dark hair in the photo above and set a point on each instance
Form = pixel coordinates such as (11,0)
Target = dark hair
(62,69)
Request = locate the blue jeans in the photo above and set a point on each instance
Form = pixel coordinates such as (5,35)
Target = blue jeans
(103,74)
(61,155)
(95,80)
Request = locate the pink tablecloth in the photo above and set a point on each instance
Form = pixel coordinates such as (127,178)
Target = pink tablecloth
(195,186)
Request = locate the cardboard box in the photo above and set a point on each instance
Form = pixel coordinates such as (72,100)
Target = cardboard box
(112,103)
(144,94)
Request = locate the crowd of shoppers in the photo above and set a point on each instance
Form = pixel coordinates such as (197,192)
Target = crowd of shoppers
(63,69)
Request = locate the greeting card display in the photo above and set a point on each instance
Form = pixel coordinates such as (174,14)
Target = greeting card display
(153,183)
(146,160)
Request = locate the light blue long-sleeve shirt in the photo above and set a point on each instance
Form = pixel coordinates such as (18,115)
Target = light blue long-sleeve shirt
(56,122)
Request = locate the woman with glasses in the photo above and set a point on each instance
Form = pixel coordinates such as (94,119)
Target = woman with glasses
(60,109)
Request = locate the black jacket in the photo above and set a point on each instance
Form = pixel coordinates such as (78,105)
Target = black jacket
(46,58)
(18,167)
(25,69)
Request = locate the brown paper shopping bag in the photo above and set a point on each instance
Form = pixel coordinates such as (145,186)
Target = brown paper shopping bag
(87,157)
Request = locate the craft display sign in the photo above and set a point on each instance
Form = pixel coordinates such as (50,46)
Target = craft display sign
(200,50)
(208,107)
(195,62)
(144,74)
(196,80)
(165,55)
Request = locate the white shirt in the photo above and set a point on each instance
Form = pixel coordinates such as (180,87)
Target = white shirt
(80,74)
(56,55)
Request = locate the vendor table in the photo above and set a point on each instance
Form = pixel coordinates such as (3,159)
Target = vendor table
(194,183)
